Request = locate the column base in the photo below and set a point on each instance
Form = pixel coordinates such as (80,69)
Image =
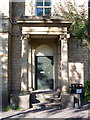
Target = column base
(70,100)
(20,100)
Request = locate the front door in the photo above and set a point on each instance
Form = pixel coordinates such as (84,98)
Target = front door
(44,72)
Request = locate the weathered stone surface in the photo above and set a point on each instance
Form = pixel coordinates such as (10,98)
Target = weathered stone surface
(22,101)
(80,54)
(67,101)
(70,100)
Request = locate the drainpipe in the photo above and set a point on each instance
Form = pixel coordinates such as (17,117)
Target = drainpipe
(89,18)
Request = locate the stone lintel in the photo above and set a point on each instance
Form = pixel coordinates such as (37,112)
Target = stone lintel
(44,30)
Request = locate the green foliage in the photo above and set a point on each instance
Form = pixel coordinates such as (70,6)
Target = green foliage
(79,29)
(10,107)
(78,15)
(87,90)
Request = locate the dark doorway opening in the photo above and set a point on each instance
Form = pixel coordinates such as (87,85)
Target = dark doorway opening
(44,72)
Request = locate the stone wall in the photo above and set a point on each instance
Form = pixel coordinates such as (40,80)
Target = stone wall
(18,9)
(78,53)
(4,38)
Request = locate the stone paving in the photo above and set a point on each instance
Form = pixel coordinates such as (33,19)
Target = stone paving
(81,113)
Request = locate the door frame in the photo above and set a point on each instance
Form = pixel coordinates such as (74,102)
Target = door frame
(53,72)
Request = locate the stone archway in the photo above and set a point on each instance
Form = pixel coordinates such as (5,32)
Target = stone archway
(44,50)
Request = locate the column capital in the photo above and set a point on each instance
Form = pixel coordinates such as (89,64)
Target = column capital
(64,36)
(25,36)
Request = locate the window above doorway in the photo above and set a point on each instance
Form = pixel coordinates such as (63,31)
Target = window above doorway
(43,7)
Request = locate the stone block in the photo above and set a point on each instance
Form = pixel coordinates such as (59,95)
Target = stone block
(24,101)
(67,101)
(21,101)
(71,101)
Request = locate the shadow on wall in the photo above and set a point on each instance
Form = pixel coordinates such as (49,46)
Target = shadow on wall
(6,54)
(76,73)
(4,68)
(14,100)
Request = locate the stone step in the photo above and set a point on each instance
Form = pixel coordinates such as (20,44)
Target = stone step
(40,98)
(47,105)
(53,105)
(56,100)
(44,94)
(39,105)
(47,100)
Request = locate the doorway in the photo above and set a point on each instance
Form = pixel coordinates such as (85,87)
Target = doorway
(44,72)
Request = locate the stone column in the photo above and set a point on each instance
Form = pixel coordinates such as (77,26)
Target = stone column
(59,67)
(30,78)
(64,63)
(24,66)
(33,68)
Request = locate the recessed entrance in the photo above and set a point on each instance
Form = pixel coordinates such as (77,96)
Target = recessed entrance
(44,67)
(44,72)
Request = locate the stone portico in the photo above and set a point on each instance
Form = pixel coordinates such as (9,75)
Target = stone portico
(37,53)
(51,36)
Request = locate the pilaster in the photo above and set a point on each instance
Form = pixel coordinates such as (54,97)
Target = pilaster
(64,63)
(24,65)
(59,67)
(30,77)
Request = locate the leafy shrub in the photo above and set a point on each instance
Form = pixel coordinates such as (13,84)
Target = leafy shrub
(87,90)
(10,107)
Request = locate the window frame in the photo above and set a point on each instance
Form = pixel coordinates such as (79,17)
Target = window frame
(43,7)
